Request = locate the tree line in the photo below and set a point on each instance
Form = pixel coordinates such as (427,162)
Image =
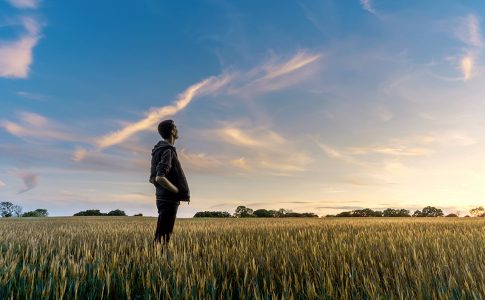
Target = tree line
(246,212)
(97,212)
(428,211)
(8,209)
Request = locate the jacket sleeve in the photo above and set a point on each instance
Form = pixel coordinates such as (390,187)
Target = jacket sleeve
(165,163)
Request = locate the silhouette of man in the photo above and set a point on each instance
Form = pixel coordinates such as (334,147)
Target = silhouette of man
(169,179)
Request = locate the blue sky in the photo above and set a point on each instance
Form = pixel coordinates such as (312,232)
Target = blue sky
(317,106)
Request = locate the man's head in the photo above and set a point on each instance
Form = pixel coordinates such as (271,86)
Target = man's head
(167,129)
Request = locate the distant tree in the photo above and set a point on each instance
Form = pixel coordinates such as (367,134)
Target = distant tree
(467,216)
(90,212)
(212,214)
(263,213)
(367,212)
(138,215)
(243,212)
(273,212)
(17,210)
(309,215)
(40,212)
(344,214)
(417,213)
(329,216)
(282,212)
(477,211)
(429,211)
(391,212)
(452,215)
(117,212)
(6,209)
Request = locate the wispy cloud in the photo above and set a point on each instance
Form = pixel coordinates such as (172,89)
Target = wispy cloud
(277,73)
(337,154)
(394,151)
(36,126)
(30,180)
(209,85)
(236,82)
(241,163)
(200,162)
(256,137)
(23,4)
(32,96)
(2,184)
(469,33)
(447,138)
(261,150)
(16,56)
(300,60)
(418,145)
(367,5)
(79,154)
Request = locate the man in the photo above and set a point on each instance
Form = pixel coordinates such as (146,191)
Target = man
(169,179)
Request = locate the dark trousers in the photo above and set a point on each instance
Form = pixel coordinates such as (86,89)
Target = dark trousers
(167,212)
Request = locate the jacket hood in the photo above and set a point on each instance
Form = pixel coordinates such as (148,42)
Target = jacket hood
(161,145)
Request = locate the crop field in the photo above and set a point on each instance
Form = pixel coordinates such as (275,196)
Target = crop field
(284,258)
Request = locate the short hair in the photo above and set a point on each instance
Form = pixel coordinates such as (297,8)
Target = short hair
(165,128)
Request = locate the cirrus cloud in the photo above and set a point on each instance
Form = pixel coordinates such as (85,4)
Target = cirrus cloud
(23,4)
(16,56)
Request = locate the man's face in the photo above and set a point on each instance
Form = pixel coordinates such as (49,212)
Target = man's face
(175,132)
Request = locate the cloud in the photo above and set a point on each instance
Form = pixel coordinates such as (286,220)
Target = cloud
(264,77)
(394,151)
(448,138)
(261,150)
(346,207)
(2,184)
(79,154)
(367,5)
(467,66)
(241,163)
(419,145)
(209,85)
(36,126)
(16,56)
(300,60)
(30,180)
(468,31)
(32,96)
(199,161)
(22,4)
(277,73)
(336,154)
(256,137)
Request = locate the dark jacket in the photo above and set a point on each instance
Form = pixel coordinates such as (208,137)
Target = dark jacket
(165,162)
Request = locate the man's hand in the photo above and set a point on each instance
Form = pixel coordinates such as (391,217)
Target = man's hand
(163,181)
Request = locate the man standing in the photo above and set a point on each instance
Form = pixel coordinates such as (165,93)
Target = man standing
(169,179)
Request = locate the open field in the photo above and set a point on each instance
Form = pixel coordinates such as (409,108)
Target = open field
(111,257)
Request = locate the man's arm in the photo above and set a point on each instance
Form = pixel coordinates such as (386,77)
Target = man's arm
(162,169)
(163,181)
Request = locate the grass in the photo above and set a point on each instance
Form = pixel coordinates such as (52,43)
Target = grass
(293,258)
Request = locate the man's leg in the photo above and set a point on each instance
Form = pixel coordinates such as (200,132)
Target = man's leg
(165,223)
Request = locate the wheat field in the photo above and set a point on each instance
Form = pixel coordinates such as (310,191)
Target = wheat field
(284,258)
